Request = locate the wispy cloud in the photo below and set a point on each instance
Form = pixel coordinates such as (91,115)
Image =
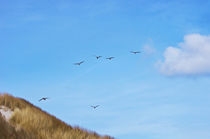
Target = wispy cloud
(159,122)
(149,49)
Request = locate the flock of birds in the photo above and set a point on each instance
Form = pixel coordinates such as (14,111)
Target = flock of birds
(109,58)
(81,62)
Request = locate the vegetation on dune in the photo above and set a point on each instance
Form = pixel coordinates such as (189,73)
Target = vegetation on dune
(30,122)
(7,131)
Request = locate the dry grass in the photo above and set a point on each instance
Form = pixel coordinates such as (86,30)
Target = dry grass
(10,132)
(31,122)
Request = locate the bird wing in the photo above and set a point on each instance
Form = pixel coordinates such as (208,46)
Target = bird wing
(109,57)
(81,62)
(135,52)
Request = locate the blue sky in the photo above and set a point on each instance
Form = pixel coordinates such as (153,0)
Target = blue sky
(41,39)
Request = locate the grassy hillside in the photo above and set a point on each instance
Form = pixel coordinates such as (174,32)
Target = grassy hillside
(30,122)
(8,131)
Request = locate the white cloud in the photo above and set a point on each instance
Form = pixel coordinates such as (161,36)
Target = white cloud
(191,57)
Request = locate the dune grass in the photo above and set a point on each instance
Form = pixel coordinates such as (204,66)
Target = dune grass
(7,131)
(33,123)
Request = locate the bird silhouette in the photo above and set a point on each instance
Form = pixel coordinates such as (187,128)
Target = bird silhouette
(110,58)
(79,63)
(97,57)
(44,98)
(94,107)
(135,52)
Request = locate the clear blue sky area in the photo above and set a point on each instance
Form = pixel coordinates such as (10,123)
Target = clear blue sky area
(41,39)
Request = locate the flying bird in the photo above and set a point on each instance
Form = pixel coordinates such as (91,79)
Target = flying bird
(135,52)
(94,107)
(97,57)
(44,98)
(79,63)
(110,58)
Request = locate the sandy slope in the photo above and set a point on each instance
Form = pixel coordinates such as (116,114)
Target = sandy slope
(6,112)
